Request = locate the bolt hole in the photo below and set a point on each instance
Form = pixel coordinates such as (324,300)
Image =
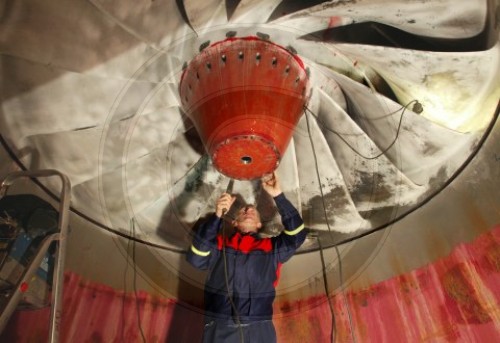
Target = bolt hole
(240,55)
(246,160)
(274,61)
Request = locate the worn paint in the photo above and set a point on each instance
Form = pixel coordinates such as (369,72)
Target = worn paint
(454,299)
(94,312)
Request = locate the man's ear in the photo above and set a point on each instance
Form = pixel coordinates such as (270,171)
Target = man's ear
(259,225)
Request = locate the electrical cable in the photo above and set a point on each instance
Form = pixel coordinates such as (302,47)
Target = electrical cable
(137,308)
(334,324)
(346,304)
(125,272)
(350,146)
(226,274)
(333,331)
(229,294)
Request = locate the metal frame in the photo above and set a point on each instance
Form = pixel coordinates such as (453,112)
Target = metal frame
(60,237)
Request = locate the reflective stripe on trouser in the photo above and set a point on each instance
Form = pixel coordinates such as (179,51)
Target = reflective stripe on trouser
(255,332)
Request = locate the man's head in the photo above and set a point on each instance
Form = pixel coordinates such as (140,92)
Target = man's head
(247,219)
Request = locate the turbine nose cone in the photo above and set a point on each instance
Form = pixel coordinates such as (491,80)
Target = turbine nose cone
(245,97)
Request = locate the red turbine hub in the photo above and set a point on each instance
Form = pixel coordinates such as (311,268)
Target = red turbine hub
(245,97)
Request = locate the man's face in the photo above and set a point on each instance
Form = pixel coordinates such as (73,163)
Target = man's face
(247,219)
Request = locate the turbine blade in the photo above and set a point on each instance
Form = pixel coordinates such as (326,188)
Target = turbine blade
(254,11)
(203,15)
(449,19)
(457,90)
(329,204)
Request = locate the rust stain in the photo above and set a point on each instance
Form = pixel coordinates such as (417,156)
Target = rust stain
(362,297)
(358,321)
(436,244)
(407,286)
(493,257)
(305,312)
(461,291)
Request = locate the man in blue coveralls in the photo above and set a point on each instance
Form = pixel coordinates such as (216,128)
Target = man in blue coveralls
(243,268)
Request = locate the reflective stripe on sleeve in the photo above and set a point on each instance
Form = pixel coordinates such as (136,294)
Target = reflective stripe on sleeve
(296,231)
(199,252)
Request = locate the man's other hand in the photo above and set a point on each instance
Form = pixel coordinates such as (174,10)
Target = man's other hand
(271,184)
(224,203)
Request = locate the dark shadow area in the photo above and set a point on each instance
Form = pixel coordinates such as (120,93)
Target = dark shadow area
(372,33)
(231,7)
(182,11)
(187,319)
(192,136)
(25,221)
(290,6)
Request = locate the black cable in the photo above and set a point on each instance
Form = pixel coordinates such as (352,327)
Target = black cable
(341,280)
(137,308)
(125,272)
(350,146)
(333,331)
(226,277)
(226,274)
(330,232)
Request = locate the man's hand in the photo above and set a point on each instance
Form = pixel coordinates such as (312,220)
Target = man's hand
(224,203)
(271,184)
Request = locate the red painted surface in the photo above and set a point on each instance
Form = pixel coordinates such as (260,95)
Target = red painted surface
(455,299)
(97,313)
(245,97)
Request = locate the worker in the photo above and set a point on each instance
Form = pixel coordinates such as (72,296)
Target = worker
(243,268)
